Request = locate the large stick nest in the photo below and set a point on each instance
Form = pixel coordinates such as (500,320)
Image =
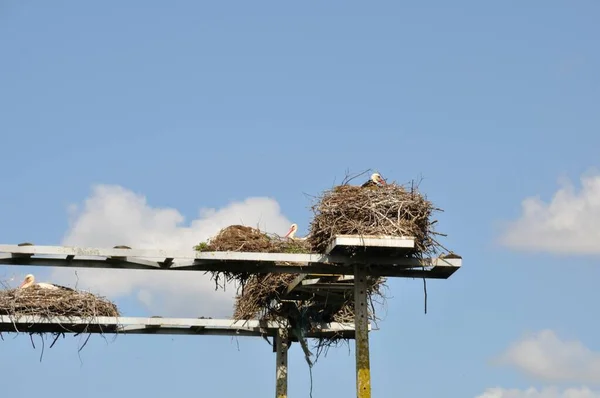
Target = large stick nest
(262,294)
(392,210)
(54,303)
(240,238)
(35,301)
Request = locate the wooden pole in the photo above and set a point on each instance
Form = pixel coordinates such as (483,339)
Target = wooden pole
(361,322)
(281,345)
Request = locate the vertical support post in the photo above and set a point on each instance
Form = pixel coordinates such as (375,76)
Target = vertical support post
(281,345)
(361,323)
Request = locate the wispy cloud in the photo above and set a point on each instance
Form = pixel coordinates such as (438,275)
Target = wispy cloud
(545,356)
(568,224)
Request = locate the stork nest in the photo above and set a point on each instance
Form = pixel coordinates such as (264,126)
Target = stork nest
(262,294)
(240,238)
(263,298)
(391,210)
(33,302)
(36,301)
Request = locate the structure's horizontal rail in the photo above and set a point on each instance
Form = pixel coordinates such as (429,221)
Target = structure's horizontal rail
(135,325)
(190,255)
(436,268)
(371,245)
(59,256)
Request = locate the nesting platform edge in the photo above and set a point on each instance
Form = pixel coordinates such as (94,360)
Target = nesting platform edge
(158,325)
(142,259)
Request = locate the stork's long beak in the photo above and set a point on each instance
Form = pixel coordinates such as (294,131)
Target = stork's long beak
(288,232)
(23,284)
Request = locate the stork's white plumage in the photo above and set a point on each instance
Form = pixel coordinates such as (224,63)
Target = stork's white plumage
(30,281)
(375,180)
(291,234)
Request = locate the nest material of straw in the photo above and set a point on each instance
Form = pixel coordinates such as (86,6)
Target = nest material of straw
(260,299)
(54,303)
(238,238)
(260,296)
(391,210)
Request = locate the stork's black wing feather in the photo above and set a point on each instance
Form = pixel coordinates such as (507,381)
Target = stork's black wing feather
(369,183)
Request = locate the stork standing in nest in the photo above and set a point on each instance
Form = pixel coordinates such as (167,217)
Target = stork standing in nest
(30,281)
(376,180)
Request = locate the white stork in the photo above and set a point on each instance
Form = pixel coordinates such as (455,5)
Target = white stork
(375,180)
(30,281)
(291,234)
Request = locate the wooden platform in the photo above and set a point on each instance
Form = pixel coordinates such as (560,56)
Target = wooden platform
(171,326)
(370,245)
(384,255)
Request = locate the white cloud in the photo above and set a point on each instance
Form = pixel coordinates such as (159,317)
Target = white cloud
(113,215)
(549,392)
(544,356)
(569,223)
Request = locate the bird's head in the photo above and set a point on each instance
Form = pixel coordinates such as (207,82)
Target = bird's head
(28,281)
(378,179)
(292,231)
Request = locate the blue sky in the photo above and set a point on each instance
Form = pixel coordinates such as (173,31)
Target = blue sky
(154,123)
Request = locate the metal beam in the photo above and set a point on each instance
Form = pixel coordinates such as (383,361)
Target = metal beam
(59,256)
(281,373)
(140,325)
(361,322)
(199,257)
(411,268)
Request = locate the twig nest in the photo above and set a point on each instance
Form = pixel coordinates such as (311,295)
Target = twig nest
(391,210)
(50,303)
(238,238)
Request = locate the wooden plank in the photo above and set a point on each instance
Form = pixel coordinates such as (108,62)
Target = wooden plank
(410,268)
(382,245)
(140,325)
(163,255)
(295,283)
(437,268)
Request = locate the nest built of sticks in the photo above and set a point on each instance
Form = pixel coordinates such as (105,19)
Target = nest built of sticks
(35,301)
(380,210)
(263,298)
(49,303)
(391,210)
(240,238)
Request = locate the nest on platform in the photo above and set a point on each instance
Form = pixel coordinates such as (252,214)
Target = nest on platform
(262,294)
(240,238)
(390,210)
(35,302)
(263,298)
(50,303)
